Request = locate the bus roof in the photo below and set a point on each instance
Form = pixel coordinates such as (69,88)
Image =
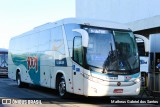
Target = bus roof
(89,22)
(3,50)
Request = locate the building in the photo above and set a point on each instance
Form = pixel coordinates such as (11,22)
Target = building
(142,16)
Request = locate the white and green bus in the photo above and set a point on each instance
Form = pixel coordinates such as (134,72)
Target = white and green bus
(80,56)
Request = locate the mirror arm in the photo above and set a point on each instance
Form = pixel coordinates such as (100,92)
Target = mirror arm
(85,37)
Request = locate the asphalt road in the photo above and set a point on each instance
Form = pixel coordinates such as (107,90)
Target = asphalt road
(47,97)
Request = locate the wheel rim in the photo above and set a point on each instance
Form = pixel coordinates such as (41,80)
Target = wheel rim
(62,88)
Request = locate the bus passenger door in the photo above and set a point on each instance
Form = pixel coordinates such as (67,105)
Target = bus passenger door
(77,68)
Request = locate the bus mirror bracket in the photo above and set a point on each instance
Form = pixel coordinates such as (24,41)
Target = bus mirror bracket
(146,41)
(85,37)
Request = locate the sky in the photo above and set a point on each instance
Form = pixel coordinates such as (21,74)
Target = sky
(19,16)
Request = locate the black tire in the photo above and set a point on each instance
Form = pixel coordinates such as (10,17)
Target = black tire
(19,83)
(62,88)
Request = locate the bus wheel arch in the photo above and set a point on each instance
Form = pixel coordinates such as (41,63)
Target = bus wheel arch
(61,85)
(18,79)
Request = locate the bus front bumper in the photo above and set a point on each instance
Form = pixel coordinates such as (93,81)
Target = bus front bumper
(3,72)
(97,89)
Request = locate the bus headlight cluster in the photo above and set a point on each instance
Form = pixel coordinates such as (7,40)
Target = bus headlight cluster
(92,78)
(137,90)
(137,80)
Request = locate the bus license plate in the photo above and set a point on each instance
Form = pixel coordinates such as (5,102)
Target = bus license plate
(118,91)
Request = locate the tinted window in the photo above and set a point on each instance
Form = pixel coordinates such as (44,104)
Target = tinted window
(157,62)
(3,60)
(141,47)
(127,49)
(44,40)
(57,42)
(78,50)
(70,35)
(151,56)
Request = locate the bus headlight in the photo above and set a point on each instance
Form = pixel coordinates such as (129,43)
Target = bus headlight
(138,90)
(137,80)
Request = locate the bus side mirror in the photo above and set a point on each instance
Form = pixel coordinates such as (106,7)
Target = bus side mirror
(85,37)
(145,40)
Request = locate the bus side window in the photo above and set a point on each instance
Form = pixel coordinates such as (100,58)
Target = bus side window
(157,62)
(77,50)
(152,60)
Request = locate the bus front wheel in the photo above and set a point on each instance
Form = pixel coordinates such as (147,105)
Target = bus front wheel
(19,83)
(62,88)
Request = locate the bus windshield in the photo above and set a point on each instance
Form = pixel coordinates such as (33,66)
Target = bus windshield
(3,60)
(112,50)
